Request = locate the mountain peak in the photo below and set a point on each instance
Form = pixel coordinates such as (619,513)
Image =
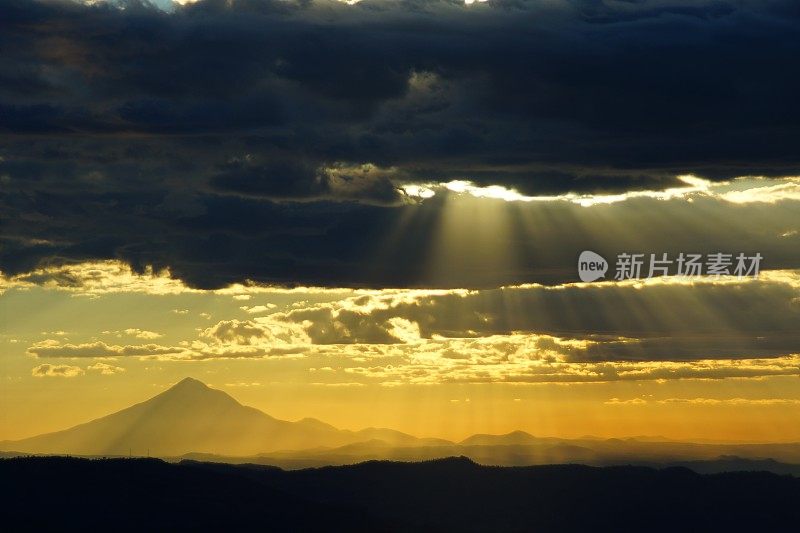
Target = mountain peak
(193,391)
(189,382)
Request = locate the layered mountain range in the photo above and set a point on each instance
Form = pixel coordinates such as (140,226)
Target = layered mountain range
(192,420)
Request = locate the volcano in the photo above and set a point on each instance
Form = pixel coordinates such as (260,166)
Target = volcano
(192,417)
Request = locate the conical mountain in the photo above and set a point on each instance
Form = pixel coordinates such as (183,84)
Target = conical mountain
(188,417)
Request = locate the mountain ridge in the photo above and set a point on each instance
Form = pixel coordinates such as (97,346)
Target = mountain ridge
(192,417)
(449,494)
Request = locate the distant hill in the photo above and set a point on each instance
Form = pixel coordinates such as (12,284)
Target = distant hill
(513,438)
(191,417)
(452,494)
(192,420)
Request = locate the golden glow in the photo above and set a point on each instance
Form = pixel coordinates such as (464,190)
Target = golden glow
(740,191)
(497,192)
(87,339)
(788,190)
(60,369)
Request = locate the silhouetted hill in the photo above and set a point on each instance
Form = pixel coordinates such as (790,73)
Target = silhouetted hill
(67,494)
(193,420)
(192,417)
(513,438)
(446,495)
(710,466)
(738,464)
(705,458)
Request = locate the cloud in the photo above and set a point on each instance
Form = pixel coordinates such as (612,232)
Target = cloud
(227,339)
(135,332)
(742,190)
(270,141)
(290,181)
(105,369)
(96,279)
(142,333)
(689,187)
(53,348)
(255,309)
(661,319)
(735,402)
(631,401)
(411,357)
(439,243)
(429,368)
(338,384)
(479,362)
(261,331)
(63,371)
(668,319)
(547,72)
(768,193)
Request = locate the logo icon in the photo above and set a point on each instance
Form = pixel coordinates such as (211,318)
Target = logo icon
(591,266)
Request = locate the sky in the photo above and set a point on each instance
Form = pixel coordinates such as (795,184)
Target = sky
(372,213)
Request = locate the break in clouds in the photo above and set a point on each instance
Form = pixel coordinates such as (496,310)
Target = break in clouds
(275,141)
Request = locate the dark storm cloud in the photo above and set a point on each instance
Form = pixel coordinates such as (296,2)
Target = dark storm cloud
(233,140)
(295,181)
(629,89)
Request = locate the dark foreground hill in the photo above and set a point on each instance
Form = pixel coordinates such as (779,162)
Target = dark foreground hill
(448,495)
